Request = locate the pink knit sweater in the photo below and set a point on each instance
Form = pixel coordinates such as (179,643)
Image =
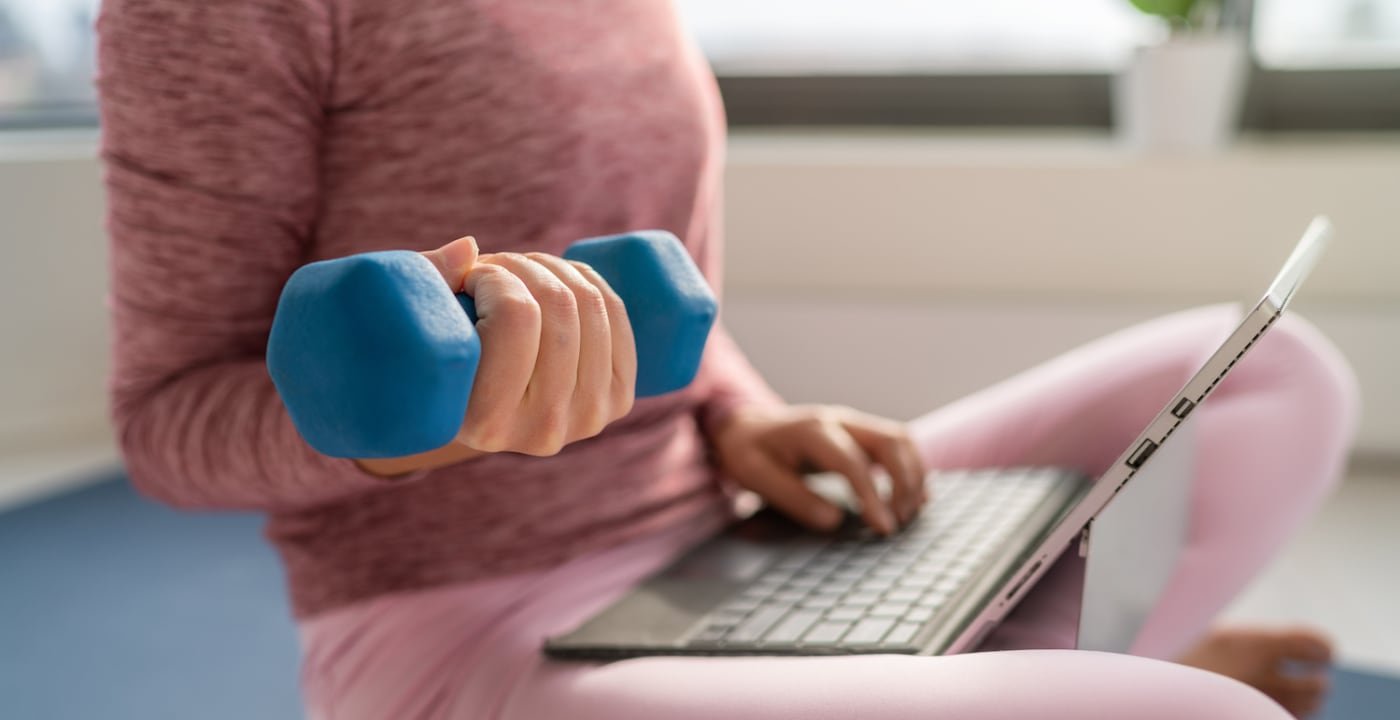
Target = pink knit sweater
(244,139)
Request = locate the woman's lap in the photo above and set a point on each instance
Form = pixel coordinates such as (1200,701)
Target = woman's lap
(473,650)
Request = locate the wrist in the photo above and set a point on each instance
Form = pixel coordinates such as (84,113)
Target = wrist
(741,415)
(431,460)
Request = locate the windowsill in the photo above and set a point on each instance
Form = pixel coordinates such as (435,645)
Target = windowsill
(48,144)
(899,145)
(1030,146)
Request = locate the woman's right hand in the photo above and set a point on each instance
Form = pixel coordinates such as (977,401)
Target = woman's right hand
(558,361)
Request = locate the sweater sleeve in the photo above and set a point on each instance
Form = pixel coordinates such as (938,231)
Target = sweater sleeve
(729,381)
(211,120)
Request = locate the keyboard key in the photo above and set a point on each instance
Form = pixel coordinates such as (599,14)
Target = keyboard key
(848,574)
(823,565)
(821,602)
(740,606)
(766,584)
(869,631)
(792,627)
(889,609)
(875,585)
(902,633)
(846,613)
(919,614)
(861,598)
(798,557)
(826,633)
(934,599)
(725,621)
(918,580)
(904,594)
(787,596)
(753,628)
(710,634)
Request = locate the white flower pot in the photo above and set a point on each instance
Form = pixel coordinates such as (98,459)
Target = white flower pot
(1183,95)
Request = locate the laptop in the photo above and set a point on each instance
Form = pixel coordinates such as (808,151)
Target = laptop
(765,586)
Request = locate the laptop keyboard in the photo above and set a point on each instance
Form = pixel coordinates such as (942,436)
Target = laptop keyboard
(856,592)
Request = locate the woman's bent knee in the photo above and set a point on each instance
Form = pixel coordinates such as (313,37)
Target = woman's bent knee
(1316,371)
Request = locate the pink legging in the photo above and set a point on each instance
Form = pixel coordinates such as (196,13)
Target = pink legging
(1271,443)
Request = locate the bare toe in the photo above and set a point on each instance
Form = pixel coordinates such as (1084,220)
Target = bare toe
(1300,696)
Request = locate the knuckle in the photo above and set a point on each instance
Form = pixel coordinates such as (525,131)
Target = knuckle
(556,297)
(541,445)
(616,309)
(548,433)
(484,436)
(584,268)
(486,266)
(623,398)
(517,308)
(591,423)
(538,448)
(489,279)
(590,300)
(829,413)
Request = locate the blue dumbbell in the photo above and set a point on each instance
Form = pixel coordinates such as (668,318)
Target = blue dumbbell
(375,358)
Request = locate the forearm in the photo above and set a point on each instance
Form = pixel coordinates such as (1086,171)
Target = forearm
(218,437)
(211,117)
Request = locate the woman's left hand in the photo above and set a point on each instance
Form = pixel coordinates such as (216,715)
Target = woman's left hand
(767,449)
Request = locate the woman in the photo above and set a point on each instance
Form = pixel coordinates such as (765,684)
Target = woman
(244,138)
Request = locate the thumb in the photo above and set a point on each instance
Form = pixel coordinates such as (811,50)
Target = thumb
(454,260)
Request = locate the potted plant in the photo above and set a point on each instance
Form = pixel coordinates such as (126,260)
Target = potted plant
(1184,93)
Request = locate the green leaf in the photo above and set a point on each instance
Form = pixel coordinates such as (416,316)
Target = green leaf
(1170,9)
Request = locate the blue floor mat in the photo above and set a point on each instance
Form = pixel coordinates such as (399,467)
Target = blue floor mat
(116,608)
(1361,695)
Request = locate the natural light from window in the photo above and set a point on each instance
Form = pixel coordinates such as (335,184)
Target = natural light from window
(1300,34)
(914,36)
(47,47)
(784,37)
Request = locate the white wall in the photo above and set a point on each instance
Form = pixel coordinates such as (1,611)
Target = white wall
(888,270)
(53,286)
(898,270)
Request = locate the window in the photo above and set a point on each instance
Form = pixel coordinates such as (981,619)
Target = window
(1327,34)
(1320,64)
(47,52)
(805,37)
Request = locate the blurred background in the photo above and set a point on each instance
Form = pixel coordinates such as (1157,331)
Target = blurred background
(923,197)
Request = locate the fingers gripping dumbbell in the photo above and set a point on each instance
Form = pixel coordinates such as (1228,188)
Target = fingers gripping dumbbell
(374,357)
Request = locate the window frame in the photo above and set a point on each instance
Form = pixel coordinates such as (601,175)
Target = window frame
(1275,100)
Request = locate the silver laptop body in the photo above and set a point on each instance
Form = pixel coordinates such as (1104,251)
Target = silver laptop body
(764,586)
